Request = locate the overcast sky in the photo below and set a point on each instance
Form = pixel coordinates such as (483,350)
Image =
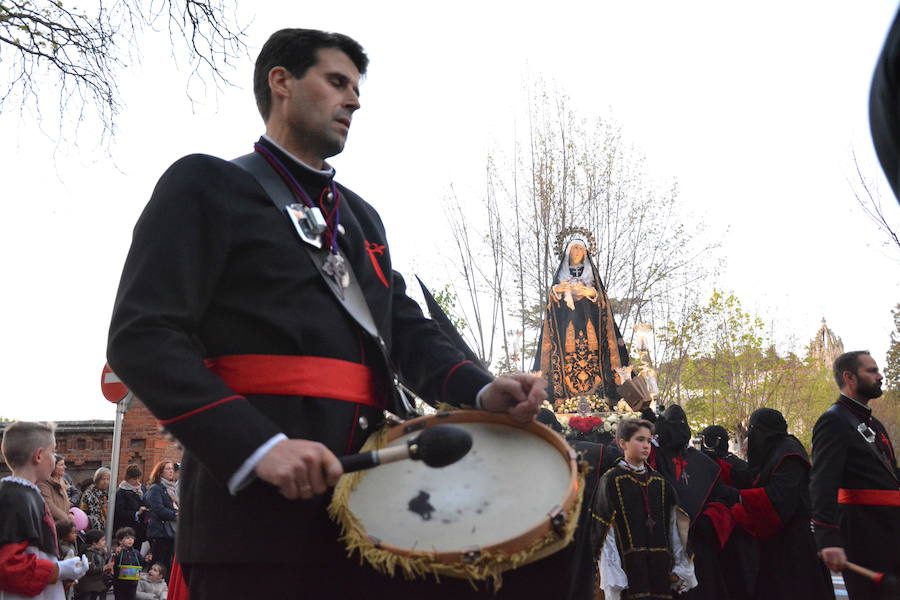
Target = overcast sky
(753,108)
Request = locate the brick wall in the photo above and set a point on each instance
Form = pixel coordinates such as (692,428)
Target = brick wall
(87,445)
(142,442)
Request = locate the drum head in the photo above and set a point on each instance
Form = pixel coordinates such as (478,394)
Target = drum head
(510,481)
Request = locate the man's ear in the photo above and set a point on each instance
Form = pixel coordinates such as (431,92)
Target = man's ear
(278,77)
(37,455)
(848,377)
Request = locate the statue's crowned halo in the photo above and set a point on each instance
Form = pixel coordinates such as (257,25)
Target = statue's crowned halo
(580,346)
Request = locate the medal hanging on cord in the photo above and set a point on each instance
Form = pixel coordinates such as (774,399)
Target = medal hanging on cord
(309,222)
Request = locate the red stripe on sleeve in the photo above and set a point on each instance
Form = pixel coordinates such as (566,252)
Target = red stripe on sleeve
(821,524)
(200,410)
(450,373)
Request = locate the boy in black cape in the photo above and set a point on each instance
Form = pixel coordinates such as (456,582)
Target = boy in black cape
(776,512)
(638,527)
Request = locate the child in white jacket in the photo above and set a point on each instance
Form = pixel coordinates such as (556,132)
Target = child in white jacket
(152,585)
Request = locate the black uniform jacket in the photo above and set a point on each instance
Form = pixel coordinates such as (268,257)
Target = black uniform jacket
(214,270)
(844,460)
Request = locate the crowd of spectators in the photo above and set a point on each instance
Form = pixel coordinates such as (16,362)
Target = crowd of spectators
(146,509)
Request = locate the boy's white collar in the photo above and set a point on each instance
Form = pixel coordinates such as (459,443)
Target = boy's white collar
(632,467)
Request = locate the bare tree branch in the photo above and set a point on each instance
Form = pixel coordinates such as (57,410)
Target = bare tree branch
(46,45)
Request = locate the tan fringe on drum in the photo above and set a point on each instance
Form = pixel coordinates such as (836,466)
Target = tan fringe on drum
(414,564)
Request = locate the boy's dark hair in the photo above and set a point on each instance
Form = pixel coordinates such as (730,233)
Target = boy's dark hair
(123,533)
(63,529)
(628,427)
(848,361)
(162,569)
(297,50)
(133,472)
(22,438)
(92,536)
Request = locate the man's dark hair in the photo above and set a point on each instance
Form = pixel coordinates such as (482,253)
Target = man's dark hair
(297,50)
(848,361)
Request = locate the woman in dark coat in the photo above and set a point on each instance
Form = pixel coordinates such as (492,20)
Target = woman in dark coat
(130,508)
(162,504)
(776,511)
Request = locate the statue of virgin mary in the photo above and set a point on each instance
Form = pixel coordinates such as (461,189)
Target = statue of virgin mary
(580,345)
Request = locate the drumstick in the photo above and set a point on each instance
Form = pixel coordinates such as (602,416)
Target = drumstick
(889,584)
(437,446)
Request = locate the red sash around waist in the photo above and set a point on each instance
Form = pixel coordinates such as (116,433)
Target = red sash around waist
(277,375)
(869,497)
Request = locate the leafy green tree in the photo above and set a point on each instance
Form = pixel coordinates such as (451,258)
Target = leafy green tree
(722,367)
(446,299)
(887,408)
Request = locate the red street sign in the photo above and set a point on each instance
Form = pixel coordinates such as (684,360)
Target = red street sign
(113,388)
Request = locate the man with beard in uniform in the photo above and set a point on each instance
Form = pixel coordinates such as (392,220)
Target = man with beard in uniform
(853,484)
(696,479)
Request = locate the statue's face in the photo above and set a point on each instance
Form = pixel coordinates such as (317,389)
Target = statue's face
(576,254)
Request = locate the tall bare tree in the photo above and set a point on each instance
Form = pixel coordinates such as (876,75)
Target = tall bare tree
(53,49)
(868,197)
(566,172)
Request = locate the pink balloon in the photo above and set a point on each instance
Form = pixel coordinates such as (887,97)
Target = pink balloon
(81,519)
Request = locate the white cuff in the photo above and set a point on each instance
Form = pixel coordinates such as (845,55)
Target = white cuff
(478,396)
(245,475)
(684,566)
(613,578)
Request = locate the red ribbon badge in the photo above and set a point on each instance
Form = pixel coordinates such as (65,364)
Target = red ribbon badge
(374,249)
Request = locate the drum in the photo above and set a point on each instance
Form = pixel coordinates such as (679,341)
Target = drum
(514,498)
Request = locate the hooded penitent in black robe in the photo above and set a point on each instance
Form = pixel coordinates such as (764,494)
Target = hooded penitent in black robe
(701,494)
(580,345)
(714,443)
(776,512)
(738,558)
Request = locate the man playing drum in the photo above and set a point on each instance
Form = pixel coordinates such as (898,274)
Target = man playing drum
(235,324)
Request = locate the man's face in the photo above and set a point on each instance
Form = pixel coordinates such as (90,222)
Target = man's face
(868,379)
(322,103)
